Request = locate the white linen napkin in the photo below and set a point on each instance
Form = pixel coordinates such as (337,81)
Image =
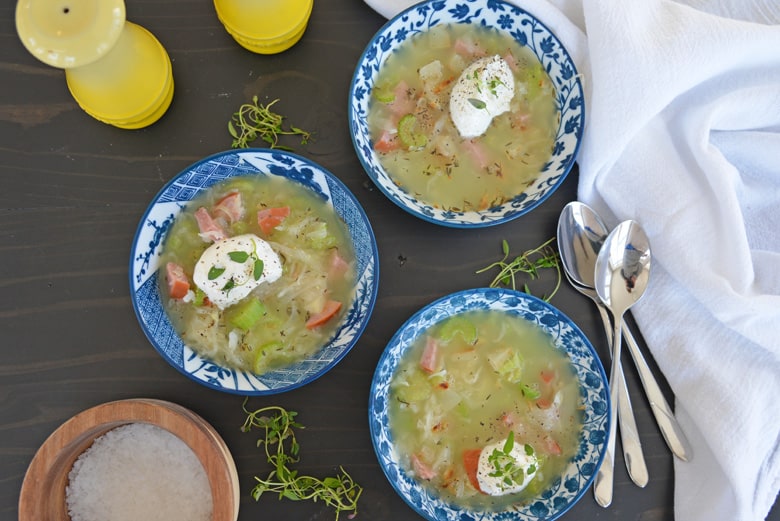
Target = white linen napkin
(683,135)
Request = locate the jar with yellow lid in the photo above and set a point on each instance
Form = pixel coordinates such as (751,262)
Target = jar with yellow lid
(265,26)
(117,71)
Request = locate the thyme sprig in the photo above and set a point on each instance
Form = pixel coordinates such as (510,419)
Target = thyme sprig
(255,120)
(281,450)
(505,465)
(240,257)
(530,262)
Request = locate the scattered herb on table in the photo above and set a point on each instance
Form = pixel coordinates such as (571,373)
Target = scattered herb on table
(255,120)
(529,262)
(281,450)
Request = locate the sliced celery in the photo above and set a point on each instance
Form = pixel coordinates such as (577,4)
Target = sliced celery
(245,314)
(458,325)
(408,134)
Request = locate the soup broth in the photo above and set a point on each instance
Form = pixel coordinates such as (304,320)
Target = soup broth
(474,380)
(418,144)
(278,322)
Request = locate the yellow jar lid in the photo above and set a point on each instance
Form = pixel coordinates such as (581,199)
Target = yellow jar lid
(69,33)
(129,83)
(264,19)
(268,46)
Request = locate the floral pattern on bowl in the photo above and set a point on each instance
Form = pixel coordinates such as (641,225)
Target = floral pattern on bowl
(566,490)
(148,243)
(524,28)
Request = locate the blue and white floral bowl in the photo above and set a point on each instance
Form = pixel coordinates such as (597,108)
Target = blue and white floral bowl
(523,27)
(147,248)
(567,489)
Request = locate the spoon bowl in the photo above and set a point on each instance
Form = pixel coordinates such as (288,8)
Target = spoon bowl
(623,267)
(581,233)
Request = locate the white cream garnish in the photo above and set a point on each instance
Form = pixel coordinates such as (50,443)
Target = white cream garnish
(226,270)
(495,485)
(483,91)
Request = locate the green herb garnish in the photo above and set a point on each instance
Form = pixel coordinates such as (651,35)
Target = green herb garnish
(528,262)
(530,392)
(238,256)
(254,120)
(477,103)
(215,272)
(281,450)
(505,465)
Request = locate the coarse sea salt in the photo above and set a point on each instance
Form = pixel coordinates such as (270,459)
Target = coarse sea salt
(138,472)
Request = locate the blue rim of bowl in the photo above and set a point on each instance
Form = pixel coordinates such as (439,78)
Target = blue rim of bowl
(568,337)
(151,231)
(547,47)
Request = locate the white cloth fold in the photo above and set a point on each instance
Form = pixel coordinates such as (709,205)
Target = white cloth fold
(683,135)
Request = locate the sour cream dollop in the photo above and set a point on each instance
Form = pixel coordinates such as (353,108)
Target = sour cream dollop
(483,91)
(494,485)
(236,279)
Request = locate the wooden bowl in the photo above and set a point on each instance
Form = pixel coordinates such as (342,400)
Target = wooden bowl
(42,496)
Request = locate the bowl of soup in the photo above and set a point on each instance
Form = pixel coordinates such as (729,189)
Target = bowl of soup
(466,114)
(254,272)
(489,404)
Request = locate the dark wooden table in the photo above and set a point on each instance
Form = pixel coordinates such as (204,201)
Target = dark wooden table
(73,191)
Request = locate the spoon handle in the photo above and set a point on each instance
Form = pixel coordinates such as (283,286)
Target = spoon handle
(629,434)
(667,423)
(603,484)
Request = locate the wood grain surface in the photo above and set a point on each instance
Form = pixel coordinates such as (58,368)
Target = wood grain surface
(74,189)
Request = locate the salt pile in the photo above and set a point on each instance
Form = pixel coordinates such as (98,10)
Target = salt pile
(138,472)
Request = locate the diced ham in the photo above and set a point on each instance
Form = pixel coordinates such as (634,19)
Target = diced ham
(338,266)
(230,207)
(547,375)
(477,153)
(468,48)
(329,311)
(421,468)
(471,465)
(210,230)
(510,60)
(430,355)
(387,142)
(404,100)
(509,419)
(269,218)
(550,446)
(178,283)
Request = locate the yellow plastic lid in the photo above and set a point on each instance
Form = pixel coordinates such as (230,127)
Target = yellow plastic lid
(69,33)
(128,84)
(268,46)
(264,20)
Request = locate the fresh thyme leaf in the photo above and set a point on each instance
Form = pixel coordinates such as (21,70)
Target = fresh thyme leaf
(529,262)
(254,119)
(230,284)
(238,256)
(281,449)
(530,392)
(510,442)
(257,272)
(477,103)
(215,272)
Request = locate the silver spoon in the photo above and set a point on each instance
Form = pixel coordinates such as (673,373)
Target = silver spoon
(622,274)
(580,236)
